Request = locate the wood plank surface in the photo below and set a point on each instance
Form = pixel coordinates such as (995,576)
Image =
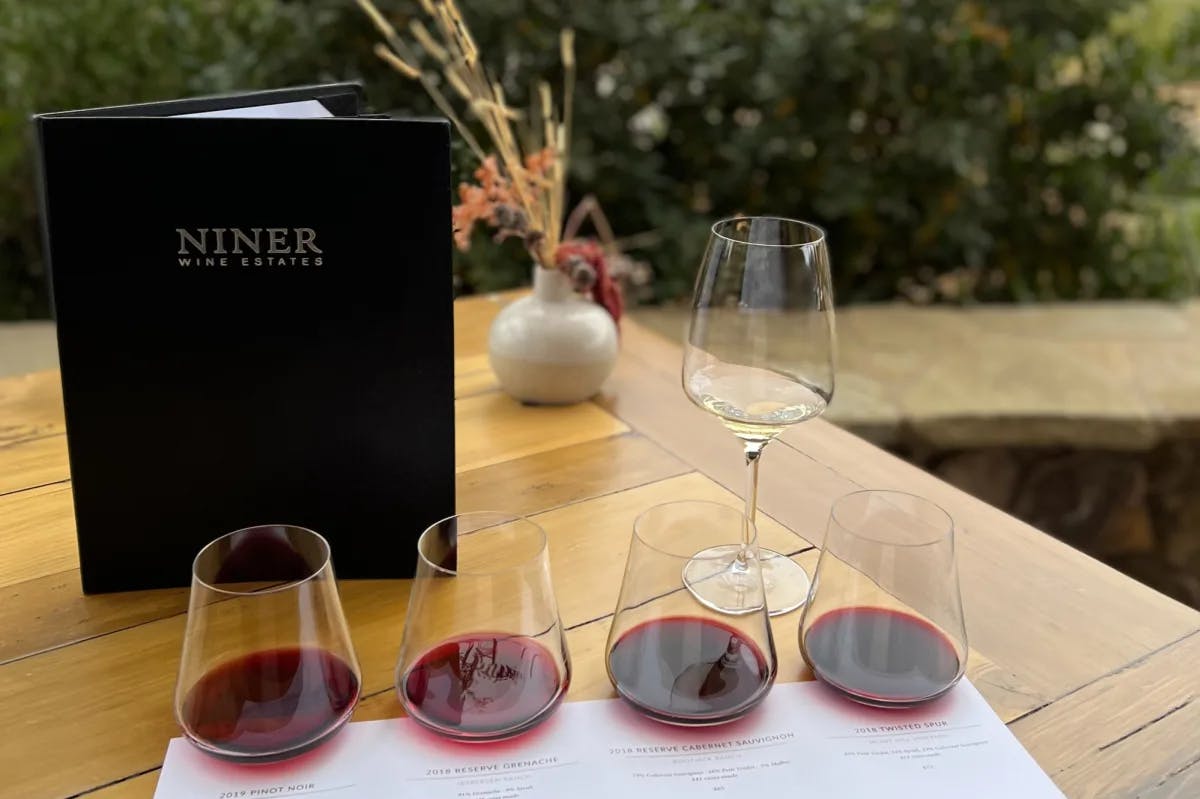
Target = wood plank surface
(37,534)
(492,428)
(34,461)
(472,318)
(33,444)
(124,680)
(1135,732)
(1097,673)
(139,787)
(30,406)
(34,453)
(49,611)
(473,375)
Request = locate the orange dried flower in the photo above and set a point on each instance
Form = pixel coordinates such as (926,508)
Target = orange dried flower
(492,200)
(539,163)
(494,184)
(473,206)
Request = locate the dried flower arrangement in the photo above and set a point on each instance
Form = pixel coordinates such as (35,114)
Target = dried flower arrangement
(520,188)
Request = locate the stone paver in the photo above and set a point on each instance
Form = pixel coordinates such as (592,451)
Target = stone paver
(27,347)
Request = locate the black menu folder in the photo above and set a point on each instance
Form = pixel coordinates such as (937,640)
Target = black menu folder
(255,325)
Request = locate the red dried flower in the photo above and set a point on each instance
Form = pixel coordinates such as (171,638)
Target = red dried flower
(605,290)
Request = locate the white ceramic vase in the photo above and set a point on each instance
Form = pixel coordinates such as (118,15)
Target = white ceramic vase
(552,347)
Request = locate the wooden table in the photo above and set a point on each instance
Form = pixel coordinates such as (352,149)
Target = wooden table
(1095,673)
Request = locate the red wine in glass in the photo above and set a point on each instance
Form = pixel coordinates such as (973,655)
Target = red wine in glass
(879,656)
(689,670)
(483,686)
(270,704)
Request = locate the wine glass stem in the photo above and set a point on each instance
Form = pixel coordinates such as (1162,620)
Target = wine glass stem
(753,453)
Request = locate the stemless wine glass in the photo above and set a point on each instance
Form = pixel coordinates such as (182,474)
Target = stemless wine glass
(483,655)
(884,624)
(671,657)
(268,670)
(760,356)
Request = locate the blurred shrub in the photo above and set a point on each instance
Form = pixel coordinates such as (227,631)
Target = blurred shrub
(953,149)
(63,54)
(1170,31)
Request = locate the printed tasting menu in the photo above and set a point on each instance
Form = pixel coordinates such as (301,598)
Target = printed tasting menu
(802,741)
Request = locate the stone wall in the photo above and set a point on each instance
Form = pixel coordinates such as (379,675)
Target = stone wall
(1136,511)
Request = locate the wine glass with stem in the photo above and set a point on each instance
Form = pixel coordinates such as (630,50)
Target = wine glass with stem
(759,355)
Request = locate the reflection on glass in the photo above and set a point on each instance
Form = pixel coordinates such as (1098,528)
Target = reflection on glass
(268,670)
(884,625)
(673,658)
(483,656)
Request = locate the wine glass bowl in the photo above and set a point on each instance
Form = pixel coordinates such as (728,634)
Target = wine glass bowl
(756,404)
(483,656)
(884,625)
(268,670)
(759,355)
(671,657)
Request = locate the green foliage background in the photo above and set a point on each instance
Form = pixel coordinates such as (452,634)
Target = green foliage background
(955,151)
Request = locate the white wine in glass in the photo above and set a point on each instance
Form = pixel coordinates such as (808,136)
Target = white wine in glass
(759,356)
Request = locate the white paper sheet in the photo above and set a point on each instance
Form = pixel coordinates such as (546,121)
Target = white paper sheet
(802,741)
(301,109)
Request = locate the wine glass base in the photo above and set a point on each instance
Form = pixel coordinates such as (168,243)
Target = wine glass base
(681,720)
(871,700)
(485,736)
(714,578)
(249,758)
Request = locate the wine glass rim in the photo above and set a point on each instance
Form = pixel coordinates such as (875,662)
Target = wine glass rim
(690,554)
(939,538)
(816,242)
(502,517)
(287,586)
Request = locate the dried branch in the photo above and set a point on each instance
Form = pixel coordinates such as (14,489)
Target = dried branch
(589,208)
(538,191)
